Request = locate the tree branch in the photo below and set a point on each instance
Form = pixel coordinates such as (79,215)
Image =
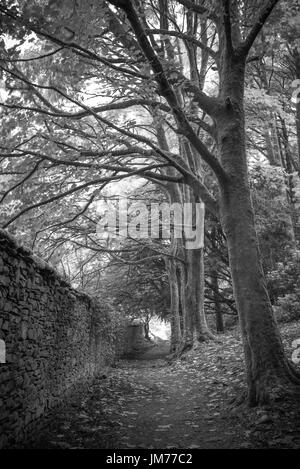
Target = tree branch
(166,90)
(201,10)
(28,176)
(73,46)
(258,25)
(227,26)
(185,37)
(33,58)
(94,182)
(81,114)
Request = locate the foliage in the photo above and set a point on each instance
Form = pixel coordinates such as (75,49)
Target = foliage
(287,307)
(284,287)
(94,93)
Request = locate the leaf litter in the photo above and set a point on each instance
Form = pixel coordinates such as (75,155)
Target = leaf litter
(184,403)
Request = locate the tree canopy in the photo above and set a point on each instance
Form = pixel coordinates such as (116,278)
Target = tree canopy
(175,101)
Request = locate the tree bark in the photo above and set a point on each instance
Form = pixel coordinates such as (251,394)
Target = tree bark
(181,277)
(191,279)
(267,368)
(266,365)
(174,306)
(216,297)
(297,66)
(298,128)
(147,329)
(197,327)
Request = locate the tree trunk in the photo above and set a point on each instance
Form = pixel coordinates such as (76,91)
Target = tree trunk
(147,330)
(216,296)
(181,278)
(197,327)
(266,365)
(190,289)
(269,148)
(174,306)
(297,66)
(298,127)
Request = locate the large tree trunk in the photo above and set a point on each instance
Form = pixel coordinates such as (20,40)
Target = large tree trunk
(197,329)
(181,278)
(265,360)
(174,306)
(190,285)
(267,367)
(197,325)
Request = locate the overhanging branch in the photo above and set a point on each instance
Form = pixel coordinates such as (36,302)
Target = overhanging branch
(166,90)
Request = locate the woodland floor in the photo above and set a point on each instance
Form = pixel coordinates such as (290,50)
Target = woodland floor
(150,402)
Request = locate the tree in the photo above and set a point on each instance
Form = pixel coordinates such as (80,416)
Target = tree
(157,78)
(267,367)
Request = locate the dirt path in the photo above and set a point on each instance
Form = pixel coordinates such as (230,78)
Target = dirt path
(143,403)
(172,409)
(151,403)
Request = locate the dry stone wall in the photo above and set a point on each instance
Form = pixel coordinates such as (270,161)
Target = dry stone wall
(53,339)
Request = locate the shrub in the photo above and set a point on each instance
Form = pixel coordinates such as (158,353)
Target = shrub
(287,307)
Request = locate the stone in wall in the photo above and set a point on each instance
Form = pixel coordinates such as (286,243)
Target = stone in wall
(55,339)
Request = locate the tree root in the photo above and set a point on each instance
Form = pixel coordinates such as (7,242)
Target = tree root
(207,336)
(275,388)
